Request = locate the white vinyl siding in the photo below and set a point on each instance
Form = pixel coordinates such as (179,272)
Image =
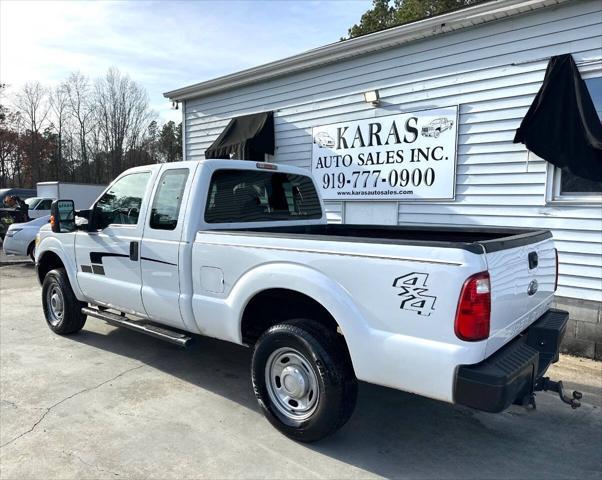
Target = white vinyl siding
(493,72)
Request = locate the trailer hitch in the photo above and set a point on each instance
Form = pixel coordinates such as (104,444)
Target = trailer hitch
(545,384)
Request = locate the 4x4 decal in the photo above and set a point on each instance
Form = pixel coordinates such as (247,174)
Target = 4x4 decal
(413,293)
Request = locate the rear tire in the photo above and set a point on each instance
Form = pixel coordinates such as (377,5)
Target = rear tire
(31,251)
(61,307)
(303,379)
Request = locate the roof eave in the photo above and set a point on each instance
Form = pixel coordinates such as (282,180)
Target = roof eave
(392,37)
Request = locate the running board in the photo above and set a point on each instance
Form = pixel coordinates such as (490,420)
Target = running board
(148,329)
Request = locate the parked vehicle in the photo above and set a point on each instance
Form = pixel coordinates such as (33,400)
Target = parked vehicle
(13,210)
(38,206)
(22,193)
(8,216)
(241,251)
(20,237)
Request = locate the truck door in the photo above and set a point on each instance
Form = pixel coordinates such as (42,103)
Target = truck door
(160,250)
(108,259)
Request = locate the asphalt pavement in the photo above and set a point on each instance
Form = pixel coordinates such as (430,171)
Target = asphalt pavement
(111,403)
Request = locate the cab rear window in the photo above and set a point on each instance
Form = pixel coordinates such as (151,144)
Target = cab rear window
(252,196)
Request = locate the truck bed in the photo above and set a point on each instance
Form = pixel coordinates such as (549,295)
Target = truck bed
(474,239)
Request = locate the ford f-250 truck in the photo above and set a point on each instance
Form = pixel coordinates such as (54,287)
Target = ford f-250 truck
(241,251)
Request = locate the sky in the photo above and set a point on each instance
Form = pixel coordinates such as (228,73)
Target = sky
(161,45)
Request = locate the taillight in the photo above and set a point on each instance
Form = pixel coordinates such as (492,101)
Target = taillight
(474,309)
(556,280)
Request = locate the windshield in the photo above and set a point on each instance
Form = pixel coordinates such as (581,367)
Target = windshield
(32,202)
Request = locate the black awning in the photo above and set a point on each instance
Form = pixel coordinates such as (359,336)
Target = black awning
(562,125)
(248,137)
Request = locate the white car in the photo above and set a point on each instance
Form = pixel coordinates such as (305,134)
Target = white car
(38,206)
(20,237)
(241,251)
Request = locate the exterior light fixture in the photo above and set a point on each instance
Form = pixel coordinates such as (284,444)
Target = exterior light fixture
(372,97)
(175,105)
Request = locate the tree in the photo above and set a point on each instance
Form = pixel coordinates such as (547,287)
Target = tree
(59,103)
(32,102)
(77,89)
(49,153)
(3,108)
(170,142)
(122,112)
(80,131)
(9,141)
(386,14)
(150,141)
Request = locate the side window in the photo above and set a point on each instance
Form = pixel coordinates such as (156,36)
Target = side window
(168,198)
(44,204)
(121,203)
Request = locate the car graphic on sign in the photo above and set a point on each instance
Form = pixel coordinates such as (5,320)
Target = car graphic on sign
(324,140)
(437,126)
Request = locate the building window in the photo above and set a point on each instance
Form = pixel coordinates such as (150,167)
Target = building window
(568,187)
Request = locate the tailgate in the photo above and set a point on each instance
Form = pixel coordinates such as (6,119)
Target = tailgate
(522,287)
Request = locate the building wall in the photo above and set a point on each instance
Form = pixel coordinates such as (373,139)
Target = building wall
(492,72)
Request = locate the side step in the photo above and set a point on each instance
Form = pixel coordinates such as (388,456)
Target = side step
(148,329)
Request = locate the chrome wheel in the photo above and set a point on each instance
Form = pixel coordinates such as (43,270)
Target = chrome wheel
(292,384)
(56,304)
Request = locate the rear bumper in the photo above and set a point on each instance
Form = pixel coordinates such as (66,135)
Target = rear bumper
(509,375)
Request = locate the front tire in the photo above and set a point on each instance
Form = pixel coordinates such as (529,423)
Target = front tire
(61,307)
(303,380)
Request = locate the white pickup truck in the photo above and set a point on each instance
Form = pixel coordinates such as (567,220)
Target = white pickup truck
(241,251)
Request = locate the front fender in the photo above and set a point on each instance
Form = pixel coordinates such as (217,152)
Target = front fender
(308,281)
(52,244)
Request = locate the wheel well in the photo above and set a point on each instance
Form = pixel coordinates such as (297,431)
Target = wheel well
(274,306)
(48,261)
(31,246)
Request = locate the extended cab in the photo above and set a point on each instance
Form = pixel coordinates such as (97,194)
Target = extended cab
(241,251)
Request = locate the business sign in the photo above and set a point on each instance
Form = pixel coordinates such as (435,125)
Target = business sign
(408,156)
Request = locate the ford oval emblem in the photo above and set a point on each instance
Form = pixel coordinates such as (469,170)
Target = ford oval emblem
(532,287)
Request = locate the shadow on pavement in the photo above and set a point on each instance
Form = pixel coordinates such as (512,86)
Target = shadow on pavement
(393,433)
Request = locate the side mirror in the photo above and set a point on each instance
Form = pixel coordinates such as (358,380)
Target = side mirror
(62,216)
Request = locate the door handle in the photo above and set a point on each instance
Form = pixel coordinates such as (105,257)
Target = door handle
(533,260)
(134,251)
